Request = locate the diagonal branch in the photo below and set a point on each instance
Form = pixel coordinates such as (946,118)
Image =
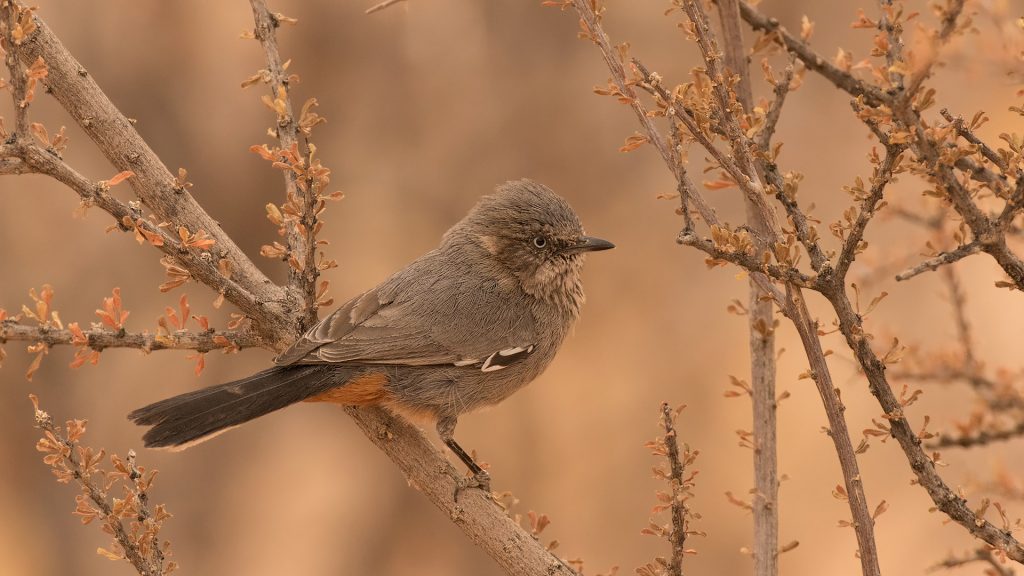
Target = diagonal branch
(809,57)
(945,499)
(475,513)
(115,136)
(129,218)
(942,259)
(882,178)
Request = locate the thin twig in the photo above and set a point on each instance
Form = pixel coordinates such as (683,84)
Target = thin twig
(967,134)
(882,178)
(70,461)
(129,218)
(984,555)
(945,499)
(301,232)
(932,264)
(100,339)
(894,49)
(680,512)
(591,23)
(381,6)
(963,327)
(978,438)
(748,261)
(774,112)
(810,58)
(115,136)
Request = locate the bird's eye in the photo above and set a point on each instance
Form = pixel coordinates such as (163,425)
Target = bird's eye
(540,242)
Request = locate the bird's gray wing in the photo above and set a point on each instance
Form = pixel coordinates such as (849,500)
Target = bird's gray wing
(422,316)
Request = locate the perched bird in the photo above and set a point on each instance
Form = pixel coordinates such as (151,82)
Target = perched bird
(464,326)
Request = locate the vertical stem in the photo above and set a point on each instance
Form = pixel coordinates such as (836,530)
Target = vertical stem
(301,232)
(762,341)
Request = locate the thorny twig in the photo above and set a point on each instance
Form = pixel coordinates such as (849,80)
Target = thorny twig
(681,482)
(100,339)
(301,231)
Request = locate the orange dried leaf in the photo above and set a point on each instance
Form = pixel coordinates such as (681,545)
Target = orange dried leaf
(112,314)
(120,177)
(34,366)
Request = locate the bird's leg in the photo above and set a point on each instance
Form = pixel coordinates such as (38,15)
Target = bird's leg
(481,479)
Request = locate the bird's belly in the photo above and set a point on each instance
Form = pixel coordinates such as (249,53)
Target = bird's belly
(458,390)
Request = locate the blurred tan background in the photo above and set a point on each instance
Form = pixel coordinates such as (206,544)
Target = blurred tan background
(429,105)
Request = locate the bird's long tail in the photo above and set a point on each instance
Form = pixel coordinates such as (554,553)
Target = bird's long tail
(190,418)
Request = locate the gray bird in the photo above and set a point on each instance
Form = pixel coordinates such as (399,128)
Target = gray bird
(464,326)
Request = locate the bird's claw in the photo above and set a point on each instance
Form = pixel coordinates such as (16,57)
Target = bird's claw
(481,480)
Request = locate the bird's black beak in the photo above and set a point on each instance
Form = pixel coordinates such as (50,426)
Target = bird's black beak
(590,244)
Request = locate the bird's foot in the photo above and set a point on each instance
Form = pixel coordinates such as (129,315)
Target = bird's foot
(481,480)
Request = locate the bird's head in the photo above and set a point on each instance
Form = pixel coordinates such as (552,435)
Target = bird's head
(535,235)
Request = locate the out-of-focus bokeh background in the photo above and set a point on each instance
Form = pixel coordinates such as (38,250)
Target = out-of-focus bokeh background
(429,105)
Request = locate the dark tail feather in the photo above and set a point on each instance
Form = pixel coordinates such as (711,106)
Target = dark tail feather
(190,418)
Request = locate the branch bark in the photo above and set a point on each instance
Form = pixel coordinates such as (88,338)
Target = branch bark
(475,513)
(128,218)
(276,314)
(301,233)
(115,136)
(101,339)
(762,336)
(741,166)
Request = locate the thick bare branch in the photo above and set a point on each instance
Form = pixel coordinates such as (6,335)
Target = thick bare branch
(760,323)
(19,83)
(483,521)
(115,136)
